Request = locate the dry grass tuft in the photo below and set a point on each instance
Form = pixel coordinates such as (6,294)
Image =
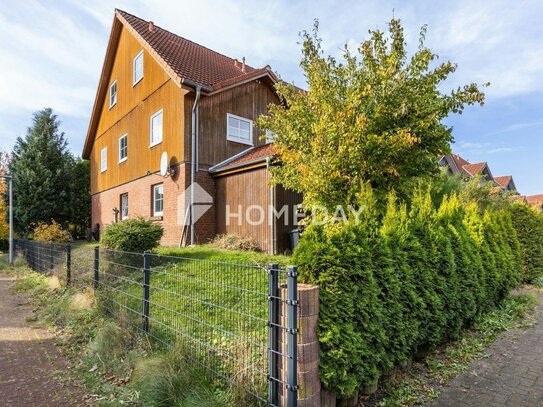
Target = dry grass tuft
(82,300)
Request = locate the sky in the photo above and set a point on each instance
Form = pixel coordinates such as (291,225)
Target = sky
(51,55)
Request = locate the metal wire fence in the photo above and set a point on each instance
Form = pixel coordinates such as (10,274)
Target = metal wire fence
(226,315)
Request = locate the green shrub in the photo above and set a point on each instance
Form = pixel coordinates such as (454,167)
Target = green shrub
(133,235)
(406,280)
(528,224)
(51,232)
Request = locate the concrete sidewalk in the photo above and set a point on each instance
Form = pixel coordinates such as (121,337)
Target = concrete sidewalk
(30,363)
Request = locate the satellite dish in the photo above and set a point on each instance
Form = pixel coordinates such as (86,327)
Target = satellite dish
(164,170)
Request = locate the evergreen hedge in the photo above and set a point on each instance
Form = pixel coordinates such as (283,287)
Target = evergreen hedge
(405,281)
(528,224)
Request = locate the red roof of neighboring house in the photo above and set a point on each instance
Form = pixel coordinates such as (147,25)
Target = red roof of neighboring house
(535,199)
(252,155)
(187,59)
(503,181)
(459,161)
(474,169)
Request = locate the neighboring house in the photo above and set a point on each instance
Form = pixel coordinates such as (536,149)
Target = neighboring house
(536,201)
(455,164)
(158,92)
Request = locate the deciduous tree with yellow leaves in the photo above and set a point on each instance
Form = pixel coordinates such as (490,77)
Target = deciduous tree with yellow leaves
(374,117)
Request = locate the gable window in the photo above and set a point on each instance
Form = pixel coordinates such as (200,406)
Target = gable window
(158,200)
(137,68)
(156,128)
(124,206)
(123,148)
(239,129)
(103,159)
(113,94)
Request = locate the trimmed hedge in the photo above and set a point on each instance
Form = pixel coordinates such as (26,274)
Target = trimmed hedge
(406,283)
(528,224)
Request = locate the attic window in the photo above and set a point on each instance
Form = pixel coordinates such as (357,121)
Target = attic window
(239,129)
(138,68)
(113,94)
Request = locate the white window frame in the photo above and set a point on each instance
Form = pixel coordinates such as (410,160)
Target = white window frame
(135,80)
(155,211)
(103,159)
(237,139)
(124,215)
(123,159)
(152,142)
(113,96)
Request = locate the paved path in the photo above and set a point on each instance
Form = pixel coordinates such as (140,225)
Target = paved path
(29,360)
(511,376)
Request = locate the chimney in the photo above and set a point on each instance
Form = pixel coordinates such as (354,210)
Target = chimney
(243,64)
(151,26)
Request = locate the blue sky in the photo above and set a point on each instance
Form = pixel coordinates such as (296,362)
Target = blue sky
(51,54)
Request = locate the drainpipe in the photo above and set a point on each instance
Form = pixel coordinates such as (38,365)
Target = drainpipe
(194,161)
(271,208)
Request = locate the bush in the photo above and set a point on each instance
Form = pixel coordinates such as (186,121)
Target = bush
(52,232)
(133,235)
(528,224)
(405,281)
(235,242)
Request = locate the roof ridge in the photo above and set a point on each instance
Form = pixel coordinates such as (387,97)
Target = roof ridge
(186,39)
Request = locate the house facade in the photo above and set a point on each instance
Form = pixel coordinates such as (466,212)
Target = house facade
(163,97)
(455,164)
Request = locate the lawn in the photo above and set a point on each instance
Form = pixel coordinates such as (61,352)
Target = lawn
(213,301)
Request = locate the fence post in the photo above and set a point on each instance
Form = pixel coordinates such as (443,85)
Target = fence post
(146,286)
(68,264)
(292,345)
(96,278)
(273,333)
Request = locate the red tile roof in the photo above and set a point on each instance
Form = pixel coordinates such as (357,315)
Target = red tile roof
(474,169)
(535,199)
(189,61)
(249,156)
(503,181)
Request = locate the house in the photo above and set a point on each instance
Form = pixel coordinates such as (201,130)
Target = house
(455,164)
(165,101)
(536,201)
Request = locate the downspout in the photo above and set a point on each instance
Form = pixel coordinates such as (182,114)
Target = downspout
(194,161)
(271,209)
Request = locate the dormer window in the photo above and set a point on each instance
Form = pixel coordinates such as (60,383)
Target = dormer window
(113,94)
(137,68)
(239,129)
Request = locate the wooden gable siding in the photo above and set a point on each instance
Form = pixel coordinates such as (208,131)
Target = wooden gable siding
(244,188)
(131,115)
(128,96)
(249,100)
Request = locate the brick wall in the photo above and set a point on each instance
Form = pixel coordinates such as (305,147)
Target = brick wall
(175,201)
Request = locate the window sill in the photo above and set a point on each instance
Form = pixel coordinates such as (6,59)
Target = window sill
(123,160)
(155,144)
(157,218)
(112,106)
(102,171)
(238,141)
(138,81)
